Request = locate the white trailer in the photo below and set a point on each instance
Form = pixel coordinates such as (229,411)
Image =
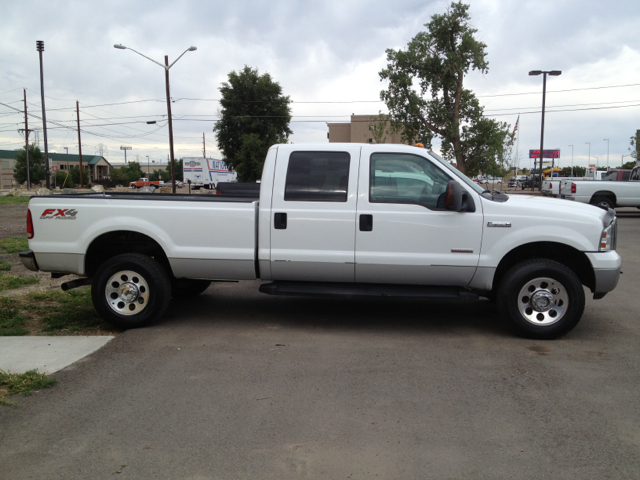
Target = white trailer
(206,172)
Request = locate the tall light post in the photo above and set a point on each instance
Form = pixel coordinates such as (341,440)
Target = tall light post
(571,160)
(40,48)
(166,67)
(589,160)
(607,140)
(622,159)
(544,73)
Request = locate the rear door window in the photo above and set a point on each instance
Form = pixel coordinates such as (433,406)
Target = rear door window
(317,177)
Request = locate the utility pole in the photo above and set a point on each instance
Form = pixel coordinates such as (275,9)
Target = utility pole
(79,143)
(40,48)
(26,139)
(173,160)
(204,147)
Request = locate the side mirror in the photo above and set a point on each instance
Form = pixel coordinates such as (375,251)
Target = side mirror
(453,199)
(457,199)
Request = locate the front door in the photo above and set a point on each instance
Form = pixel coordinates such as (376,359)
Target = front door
(405,235)
(313,214)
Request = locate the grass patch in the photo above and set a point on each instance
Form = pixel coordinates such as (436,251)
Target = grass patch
(5,266)
(14,244)
(72,310)
(14,200)
(22,383)
(8,282)
(11,320)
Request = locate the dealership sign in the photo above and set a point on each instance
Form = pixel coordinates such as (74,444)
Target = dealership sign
(546,153)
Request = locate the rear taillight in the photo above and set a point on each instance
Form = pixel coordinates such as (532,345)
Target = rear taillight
(29,225)
(573,188)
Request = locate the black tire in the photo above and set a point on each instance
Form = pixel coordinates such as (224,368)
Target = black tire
(603,202)
(541,299)
(187,288)
(131,290)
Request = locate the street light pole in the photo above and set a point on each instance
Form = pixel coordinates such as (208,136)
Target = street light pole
(544,73)
(607,140)
(166,67)
(571,160)
(589,160)
(40,48)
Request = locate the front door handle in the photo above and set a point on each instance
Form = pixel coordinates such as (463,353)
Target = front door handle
(280,221)
(366,223)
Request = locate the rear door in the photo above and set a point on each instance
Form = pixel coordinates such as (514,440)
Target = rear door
(313,213)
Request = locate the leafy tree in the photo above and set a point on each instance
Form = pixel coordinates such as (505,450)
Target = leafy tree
(426,96)
(64,181)
(628,165)
(577,172)
(37,168)
(179,171)
(633,148)
(381,127)
(125,174)
(161,175)
(254,115)
(74,173)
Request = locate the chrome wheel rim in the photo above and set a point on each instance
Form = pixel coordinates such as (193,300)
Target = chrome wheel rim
(127,293)
(543,301)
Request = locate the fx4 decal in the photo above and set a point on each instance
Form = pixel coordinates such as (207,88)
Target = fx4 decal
(59,214)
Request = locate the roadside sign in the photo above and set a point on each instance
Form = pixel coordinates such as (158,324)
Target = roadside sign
(546,153)
(54,168)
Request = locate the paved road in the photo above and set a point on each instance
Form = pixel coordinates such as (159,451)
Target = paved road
(240,385)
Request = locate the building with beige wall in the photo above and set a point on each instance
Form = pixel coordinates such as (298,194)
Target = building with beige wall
(358,131)
(99,167)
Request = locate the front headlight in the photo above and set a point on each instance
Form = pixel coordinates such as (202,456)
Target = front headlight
(608,236)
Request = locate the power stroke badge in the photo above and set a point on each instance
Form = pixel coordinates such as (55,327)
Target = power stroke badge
(59,214)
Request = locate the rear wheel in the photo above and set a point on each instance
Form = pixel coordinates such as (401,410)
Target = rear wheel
(541,299)
(131,290)
(602,202)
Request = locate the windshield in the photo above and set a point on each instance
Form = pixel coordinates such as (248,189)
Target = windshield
(457,173)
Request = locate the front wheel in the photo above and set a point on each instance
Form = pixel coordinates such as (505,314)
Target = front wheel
(541,299)
(131,290)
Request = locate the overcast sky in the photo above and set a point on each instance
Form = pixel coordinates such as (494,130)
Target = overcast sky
(326,55)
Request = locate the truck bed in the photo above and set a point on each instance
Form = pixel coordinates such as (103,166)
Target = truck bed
(203,236)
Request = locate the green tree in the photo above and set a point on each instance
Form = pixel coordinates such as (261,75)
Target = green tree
(426,97)
(628,165)
(37,169)
(179,171)
(381,127)
(125,174)
(64,181)
(633,148)
(74,173)
(254,115)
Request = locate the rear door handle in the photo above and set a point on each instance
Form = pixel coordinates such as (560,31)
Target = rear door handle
(366,223)
(280,221)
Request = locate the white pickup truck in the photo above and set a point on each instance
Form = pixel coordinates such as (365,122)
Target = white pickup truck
(334,220)
(603,193)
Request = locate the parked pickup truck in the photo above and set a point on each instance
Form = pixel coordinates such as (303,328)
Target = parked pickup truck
(334,220)
(604,193)
(551,187)
(144,182)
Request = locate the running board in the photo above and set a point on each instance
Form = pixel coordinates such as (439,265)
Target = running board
(321,289)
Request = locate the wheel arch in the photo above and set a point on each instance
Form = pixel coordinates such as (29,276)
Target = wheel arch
(605,193)
(111,244)
(568,256)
